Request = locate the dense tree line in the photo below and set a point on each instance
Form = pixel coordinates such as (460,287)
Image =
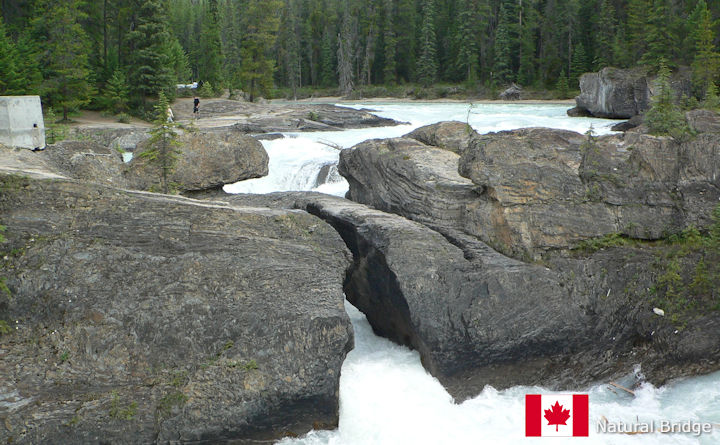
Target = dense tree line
(119,53)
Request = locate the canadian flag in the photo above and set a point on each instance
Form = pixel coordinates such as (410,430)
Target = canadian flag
(556,415)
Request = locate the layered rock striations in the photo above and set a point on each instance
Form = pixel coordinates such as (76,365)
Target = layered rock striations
(529,191)
(478,317)
(205,160)
(140,318)
(501,289)
(622,93)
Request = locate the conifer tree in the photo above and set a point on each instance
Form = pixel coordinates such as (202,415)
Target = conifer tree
(605,36)
(527,32)
(707,60)
(406,32)
(211,66)
(712,101)
(502,69)
(427,62)
(664,117)
(327,77)
(468,53)
(562,85)
(346,54)
(390,42)
(10,81)
(148,65)
(178,61)
(66,72)
(261,24)
(116,92)
(636,30)
(658,34)
(163,152)
(579,65)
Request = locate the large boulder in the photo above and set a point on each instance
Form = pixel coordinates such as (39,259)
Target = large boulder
(143,318)
(614,93)
(451,135)
(513,92)
(480,318)
(407,177)
(205,160)
(623,93)
(526,192)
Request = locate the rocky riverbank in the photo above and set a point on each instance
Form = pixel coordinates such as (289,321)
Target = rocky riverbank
(545,263)
(140,318)
(524,257)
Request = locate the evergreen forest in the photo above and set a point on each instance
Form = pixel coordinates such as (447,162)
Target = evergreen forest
(119,55)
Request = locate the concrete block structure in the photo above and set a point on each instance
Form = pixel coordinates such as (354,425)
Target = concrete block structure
(21,122)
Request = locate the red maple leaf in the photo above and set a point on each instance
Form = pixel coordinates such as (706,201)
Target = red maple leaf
(557,415)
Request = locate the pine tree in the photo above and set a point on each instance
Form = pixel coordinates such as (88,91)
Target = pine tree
(579,65)
(28,66)
(706,64)
(178,61)
(232,38)
(527,32)
(562,85)
(502,69)
(405,50)
(261,24)
(390,42)
(211,66)
(346,54)
(292,52)
(327,76)
(664,117)
(658,34)
(427,63)
(712,101)
(116,92)
(66,72)
(148,65)
(10,81)
(468,54)
(637,26)
(621,54)
(163,152)
(605,36)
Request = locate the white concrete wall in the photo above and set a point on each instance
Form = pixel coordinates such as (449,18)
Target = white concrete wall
(17,116)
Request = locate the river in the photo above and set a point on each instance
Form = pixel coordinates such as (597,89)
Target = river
(386,396)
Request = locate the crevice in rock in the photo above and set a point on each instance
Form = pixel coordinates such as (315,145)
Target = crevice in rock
(371,286)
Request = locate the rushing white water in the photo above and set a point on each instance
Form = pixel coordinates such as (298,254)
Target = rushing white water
(296,160)
(386,396)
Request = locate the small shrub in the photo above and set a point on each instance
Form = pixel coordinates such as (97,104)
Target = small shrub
(207,90)
(123,118)
(664,118)
(124,413)
(54,131)
(4,328)
(170,401)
